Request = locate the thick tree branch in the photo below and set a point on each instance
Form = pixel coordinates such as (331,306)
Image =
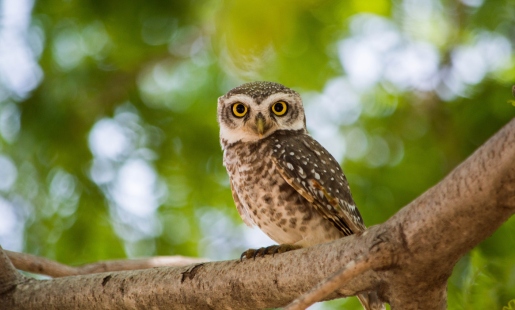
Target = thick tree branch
(422,242)
(40,265)
(9,277)
(218,285)
(451,218)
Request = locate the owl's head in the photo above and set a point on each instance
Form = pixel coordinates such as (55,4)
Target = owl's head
(255,110)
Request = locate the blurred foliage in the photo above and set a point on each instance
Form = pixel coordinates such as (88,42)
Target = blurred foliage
(109,142)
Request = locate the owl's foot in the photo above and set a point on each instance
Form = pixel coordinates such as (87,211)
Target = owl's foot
(273,249)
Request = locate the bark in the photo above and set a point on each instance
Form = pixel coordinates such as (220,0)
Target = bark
(331,284)
(413,255)
(8,275)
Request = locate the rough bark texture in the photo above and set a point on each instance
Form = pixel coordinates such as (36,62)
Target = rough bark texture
(331,284)
(8,275)
(218,285)
(40,265)
(417,249)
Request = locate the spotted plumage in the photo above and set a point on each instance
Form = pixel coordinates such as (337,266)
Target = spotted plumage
(317,176)
(282,180)
(265,197)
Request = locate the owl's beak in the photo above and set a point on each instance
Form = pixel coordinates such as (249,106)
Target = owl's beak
(260,124)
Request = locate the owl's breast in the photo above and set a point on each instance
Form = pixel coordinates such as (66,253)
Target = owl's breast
(269,201)
(250,169)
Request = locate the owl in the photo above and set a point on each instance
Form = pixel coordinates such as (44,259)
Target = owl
(282,180)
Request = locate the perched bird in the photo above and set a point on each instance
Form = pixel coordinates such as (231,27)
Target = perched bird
(282,180)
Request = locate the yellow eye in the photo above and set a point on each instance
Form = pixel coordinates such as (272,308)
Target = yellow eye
(239,110)
(280,108)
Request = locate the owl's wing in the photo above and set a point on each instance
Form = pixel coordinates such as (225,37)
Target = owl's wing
(241,210)
(316,175)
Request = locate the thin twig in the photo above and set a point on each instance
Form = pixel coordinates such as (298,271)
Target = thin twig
(329,285)
(40,265)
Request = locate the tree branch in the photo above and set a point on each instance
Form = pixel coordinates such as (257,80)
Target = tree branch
(331,284)
(40,265)
(422,242)
(263,283)
(9,277)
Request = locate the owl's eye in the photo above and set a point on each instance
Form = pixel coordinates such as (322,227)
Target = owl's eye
(239,110)
(280,108)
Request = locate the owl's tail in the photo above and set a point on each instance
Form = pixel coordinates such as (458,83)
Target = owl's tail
(370,301)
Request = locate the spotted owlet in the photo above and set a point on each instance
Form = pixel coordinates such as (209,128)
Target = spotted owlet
(282,180)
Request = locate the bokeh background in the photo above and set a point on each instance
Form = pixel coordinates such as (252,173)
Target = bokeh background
(108,136)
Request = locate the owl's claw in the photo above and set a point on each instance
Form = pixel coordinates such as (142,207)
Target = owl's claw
(264,251)
(257,252)
(248,254)
(273,249)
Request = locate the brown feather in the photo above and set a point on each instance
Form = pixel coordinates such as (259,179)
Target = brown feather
(317,176)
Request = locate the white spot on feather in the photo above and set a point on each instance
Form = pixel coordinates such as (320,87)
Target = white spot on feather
(317,176)
(332,170)
(291,153)
(289,166)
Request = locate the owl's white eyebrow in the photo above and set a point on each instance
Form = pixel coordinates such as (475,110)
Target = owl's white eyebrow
(278,97)
(238,98)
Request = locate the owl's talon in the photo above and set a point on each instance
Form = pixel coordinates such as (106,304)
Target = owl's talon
(274,249)
(285,248)
(248,254)
(257,252)
(264,251)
